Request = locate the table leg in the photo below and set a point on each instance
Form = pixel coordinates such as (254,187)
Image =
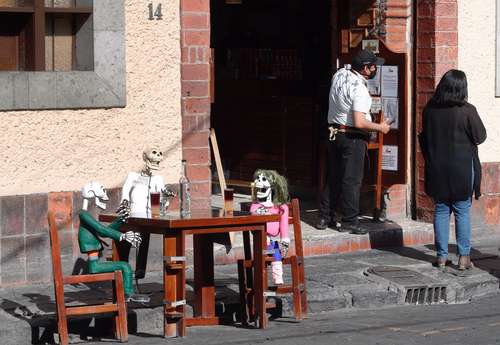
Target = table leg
(260,277)
(181,284)
(204,287)
(174,284)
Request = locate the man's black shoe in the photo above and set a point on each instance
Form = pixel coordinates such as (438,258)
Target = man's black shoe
(343,228)
(359,231)
(322,224)
(354,229)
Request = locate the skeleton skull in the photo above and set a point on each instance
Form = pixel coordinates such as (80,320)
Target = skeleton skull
(95,190)
(152,156)
(263,185)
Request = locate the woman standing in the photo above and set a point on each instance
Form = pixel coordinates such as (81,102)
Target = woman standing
(451,131)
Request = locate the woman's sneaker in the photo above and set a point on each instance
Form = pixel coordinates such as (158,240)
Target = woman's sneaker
(464,263)
(441,262)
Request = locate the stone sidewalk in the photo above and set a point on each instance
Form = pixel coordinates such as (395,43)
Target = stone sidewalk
(392,233)
(335,281)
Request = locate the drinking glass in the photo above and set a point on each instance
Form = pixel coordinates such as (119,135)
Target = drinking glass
(155,204)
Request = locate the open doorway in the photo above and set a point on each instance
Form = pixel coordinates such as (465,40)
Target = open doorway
(272,68)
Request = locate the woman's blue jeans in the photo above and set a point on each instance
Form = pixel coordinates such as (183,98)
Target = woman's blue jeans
(442,212)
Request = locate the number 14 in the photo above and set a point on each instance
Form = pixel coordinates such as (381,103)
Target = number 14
(156,13)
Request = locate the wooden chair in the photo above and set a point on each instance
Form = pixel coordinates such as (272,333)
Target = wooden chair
(118,307)
(295,259)
(221,180)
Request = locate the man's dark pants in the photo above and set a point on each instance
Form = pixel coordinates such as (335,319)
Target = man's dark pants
(346,157)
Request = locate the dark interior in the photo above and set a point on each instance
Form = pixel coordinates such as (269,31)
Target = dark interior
(272,73)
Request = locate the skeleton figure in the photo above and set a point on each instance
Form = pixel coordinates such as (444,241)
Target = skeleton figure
(272,196)
(136,201)
(91,244)
(137,186)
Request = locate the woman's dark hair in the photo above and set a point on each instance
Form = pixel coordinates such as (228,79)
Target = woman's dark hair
(451,90)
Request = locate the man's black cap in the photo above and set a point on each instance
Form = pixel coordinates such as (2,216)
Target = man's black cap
(366,57)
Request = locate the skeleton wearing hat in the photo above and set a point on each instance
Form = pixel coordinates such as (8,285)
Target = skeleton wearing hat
(272,196)
(90,243)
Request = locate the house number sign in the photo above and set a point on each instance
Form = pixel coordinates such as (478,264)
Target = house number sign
(155,11)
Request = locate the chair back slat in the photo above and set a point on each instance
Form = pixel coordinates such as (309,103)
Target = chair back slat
(55,250)
(55,247)
(294,214)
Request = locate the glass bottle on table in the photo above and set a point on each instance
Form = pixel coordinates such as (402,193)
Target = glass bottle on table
(184,192)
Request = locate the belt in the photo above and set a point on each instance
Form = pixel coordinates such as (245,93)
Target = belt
(344,127)
(335,128)
(335,125)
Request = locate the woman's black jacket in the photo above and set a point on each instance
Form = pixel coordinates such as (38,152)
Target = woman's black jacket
(449,140)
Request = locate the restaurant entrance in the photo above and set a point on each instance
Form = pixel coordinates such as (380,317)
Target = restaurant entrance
(272,71)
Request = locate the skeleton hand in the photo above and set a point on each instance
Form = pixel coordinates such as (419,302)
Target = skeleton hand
(131,237)
(284,245)
(124,210)
(167,194)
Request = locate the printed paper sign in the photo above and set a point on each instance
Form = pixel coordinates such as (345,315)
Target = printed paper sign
(389,81)
(390,158)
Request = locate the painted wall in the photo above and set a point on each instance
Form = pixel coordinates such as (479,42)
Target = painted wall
(476,56)
(42,151)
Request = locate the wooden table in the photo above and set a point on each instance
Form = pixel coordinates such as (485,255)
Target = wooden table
(200,224)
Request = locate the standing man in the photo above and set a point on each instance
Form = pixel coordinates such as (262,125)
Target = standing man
(349,122)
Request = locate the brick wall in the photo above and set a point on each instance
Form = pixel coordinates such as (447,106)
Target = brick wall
(486,210)
(398,25)
(437,52)
(195,84)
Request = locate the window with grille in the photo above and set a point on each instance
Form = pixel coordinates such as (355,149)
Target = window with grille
(46,35)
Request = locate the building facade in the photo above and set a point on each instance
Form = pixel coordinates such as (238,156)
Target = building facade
(70,116)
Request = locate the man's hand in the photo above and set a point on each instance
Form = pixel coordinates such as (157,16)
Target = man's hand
(131,237)
(361,123)
(385,126)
